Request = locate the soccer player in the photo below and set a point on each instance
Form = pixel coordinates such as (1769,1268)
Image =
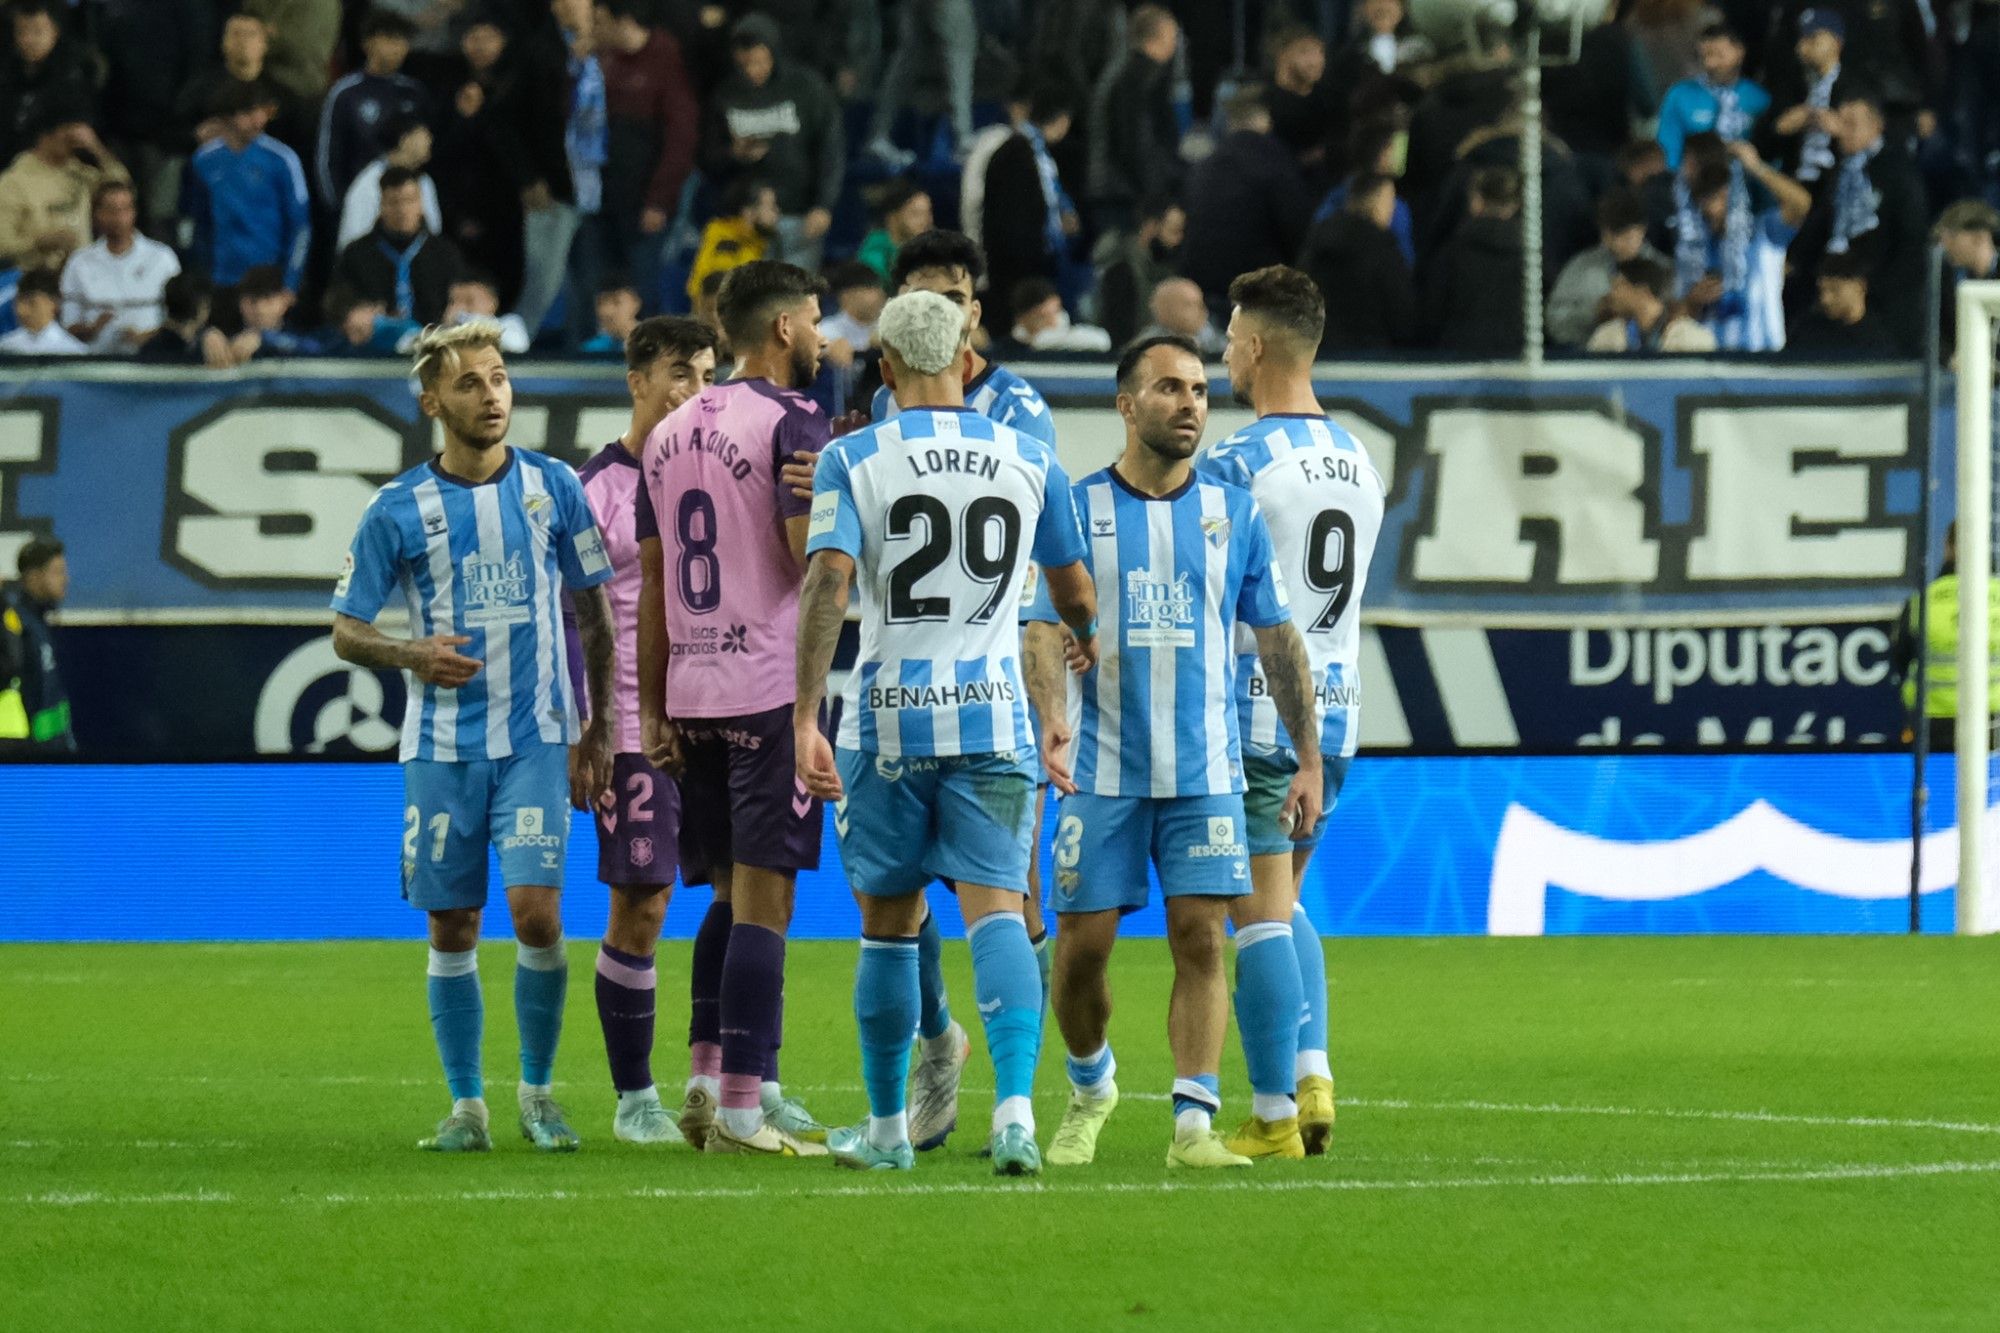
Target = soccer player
(1322,499)
(481,541)
(668,361)
(1183,561)
(935,514)
(722,546)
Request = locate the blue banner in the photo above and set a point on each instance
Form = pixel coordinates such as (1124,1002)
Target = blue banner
(1686,494)
(1653,844)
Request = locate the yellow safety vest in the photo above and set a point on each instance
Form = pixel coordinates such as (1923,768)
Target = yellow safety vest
(1941,649)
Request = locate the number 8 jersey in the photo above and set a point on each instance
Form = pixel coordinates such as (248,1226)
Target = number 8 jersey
(941,510)
(1322,500)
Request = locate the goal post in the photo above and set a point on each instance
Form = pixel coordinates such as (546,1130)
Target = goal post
(1978,308)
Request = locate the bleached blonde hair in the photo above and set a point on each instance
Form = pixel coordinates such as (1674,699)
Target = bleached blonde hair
(441,346)
(922,330)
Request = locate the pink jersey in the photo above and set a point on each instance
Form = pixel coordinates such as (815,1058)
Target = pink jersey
(712,496)
(611,484)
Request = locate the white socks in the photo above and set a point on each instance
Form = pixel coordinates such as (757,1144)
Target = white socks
(1312,1064)
(1193,1123)
(708,1083)
(471,1106)
(741,1121)
(532,1090)
(1268,1106)
(887,1132)
(1014,1111)
(640,1097)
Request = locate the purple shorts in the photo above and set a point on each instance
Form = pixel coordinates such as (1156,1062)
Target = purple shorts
(741,799)
(638,833)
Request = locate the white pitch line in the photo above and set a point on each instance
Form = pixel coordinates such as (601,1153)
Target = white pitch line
(150,1145)
(1680,1113)
(1832,1171)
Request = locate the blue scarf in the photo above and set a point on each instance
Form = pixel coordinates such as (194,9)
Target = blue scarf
(1856,203)
(1696,253)
(1816,156)
(1730,120)
(585,135)
(1053,197)
(405,261)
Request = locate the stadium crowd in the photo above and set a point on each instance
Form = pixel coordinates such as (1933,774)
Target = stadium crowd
(212,182)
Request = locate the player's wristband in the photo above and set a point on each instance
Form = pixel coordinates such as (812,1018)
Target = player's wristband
(1087,632)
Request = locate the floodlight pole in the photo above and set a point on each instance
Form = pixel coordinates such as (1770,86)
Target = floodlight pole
(1978,305)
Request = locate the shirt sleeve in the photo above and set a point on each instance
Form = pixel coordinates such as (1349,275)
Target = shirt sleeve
(1058,533)
(799,430)
(1261,602)
(1028,414)
(836,522)
(645,520)
(580,546)
(373,565)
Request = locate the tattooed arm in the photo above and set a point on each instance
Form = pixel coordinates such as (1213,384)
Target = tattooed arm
(822,607)
(1048,689)
(1288,672)
(434,660)
(590,761)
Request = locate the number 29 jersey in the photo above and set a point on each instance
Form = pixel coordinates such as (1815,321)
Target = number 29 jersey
(1322,499)
(941,510)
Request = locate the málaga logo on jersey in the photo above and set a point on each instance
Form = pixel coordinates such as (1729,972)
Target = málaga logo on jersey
(1216,529)
(1159,614)
(496,591)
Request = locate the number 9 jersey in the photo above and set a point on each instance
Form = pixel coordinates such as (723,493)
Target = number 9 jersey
(1322,500)
(941,510)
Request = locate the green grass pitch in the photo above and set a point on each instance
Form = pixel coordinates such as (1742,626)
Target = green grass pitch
(1541,1134)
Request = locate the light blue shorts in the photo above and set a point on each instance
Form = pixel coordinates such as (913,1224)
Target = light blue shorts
(1269,774)
(906,821)
(453,812)
(1105,843)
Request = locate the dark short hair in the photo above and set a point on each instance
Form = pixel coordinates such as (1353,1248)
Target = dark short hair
(1498,187)
(712,284)
(938,248)
(1721,32)
(1152,208)
(1969,215)
(21,9)
(1712,178)
(1846,265)
(37,554)
(1363,185)
(1861,92)
(476,277)
(1282,298)
(40,282)
(1128,361)
(616,281)
(1704,146)
(395,178)
(666,335)
(742,192)
(237,96)
(850,275)
(1637,151)
(398,127)
(1621,209)
(1648,273)
(753,292)
(642,10)
(1051,99)
(894,195)
(110,187)
(185,298)
(1029,293)
(386,23)
(261,281)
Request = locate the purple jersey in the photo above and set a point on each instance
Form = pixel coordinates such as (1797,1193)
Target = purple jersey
(611,484)
(712,495)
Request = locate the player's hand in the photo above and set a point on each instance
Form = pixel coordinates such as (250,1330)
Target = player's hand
(590,770)
(1747,154)
(653,221)
(849,422)
(661,741)
(1079,655)
(1301,810)
(815,762)
(1056,740)
(798,474)
(816,222)
(437,661)
(1794,120)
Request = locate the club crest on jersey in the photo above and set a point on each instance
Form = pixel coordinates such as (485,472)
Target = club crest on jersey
(538,507)
(1159,614)
(642,852)
(1216,528)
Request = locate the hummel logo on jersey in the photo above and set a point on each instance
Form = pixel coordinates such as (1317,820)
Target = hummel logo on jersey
(433,524)
(990,1007)
(1101,527)
(1161,614)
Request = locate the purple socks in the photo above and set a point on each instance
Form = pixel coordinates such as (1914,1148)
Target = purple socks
(711,945)
(753,981)
(625,993)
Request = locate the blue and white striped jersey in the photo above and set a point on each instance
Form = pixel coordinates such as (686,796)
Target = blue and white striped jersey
(997,394)
(1322,497)
(1175,577)
(489,561)
(941,510)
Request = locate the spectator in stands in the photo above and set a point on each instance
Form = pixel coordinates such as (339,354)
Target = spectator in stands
(433,46)
(410,151)
(45,193)
(943,33)
(1042,325)
(1736,216)
(151,52)
(1179,308)
(1134,137)
(858,293)
(246,195)
(1639,316)
(1377,148)
(777,119)
(557,116)
(1577,305)
(1471,92)
(1874,207)
(905,211)
(1892,48)
(303,35)
(474,296)
(1373,75)
(1966,234)
(1594,102)
(263,304)
(618,307)
(28,650)
(1131,264)
(43,67)
(1472,295)
(358,327)
(979,156)
(655,124)
(1306,106)
(402,264)
(1800,138)
(741,232)
(707,299)
(1025,214)
(1354,258)
(112,287)
(1721,99)
(1247,206)
(477,164)
(365,109)
(36,330)
(186,337)
(1840,326)
(246,47)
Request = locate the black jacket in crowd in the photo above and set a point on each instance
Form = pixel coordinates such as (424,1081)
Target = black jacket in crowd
(367,269)
(1472,296)
(1371,303)
(1013,216)
(151,52)
(67,78)
(1895,252)
(798,115)
(1246,209)
(1134,141)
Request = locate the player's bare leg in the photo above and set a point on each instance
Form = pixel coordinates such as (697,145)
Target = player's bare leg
(627,989)
(458,1021)
(711,947)
(753,979)
(541,983)
(1268,1000)
(1197,1018)
(1082,1002)
(1315,1074)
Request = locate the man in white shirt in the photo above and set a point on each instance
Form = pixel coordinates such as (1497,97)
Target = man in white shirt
(35,308)
(363,205)
(111,288)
